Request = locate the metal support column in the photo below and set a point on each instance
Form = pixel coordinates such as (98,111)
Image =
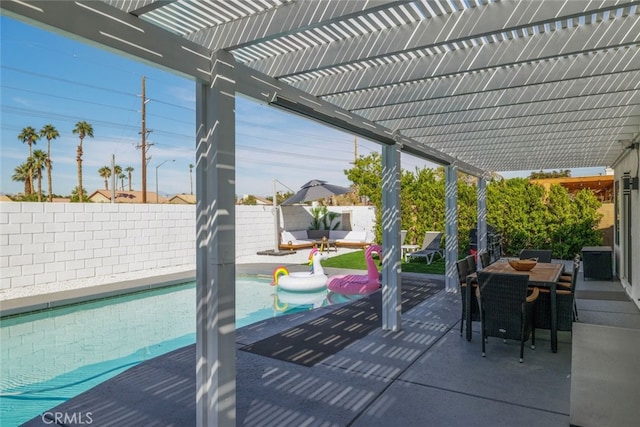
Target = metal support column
(391,282)
(215,246)
(451,228)
(482,215)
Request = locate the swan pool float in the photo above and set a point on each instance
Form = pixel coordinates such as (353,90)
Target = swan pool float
(311,281)
(352,284)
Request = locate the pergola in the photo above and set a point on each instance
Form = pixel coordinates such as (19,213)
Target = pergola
(474,85)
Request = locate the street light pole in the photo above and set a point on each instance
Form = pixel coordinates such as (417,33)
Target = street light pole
(173,160)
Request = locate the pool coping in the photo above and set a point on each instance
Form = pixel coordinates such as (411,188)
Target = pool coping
(32,303)
(27,304)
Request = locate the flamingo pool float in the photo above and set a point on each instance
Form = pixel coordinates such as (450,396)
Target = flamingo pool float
(310,281)
(351,284)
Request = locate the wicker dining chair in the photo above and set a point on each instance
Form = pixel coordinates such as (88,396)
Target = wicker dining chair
(542,255)
(506,308)
(471,262)
(463,271)
(565,305)
(485,258)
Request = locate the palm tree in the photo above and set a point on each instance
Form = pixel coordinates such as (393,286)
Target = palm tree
(191,177)
(21,174)
(49,132)
(29,136)
(75,196)
(105,172)
(122,177)
(38,160)
(129,169)
(83,129)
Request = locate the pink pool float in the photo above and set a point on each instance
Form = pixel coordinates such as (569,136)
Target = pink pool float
(351,284)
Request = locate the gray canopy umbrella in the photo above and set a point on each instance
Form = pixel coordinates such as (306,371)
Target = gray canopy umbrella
(314,190)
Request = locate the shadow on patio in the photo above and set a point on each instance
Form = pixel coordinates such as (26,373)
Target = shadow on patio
(426,374)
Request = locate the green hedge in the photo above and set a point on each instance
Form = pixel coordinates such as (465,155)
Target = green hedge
(525,215)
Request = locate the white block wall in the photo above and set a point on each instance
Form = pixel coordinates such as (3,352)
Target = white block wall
(44,243)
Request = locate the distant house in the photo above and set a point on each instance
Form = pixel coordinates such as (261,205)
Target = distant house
(601,185)
(250,199)
(184,199)
(104,196)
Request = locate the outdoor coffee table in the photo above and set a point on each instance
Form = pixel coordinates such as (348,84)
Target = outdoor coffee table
(543,275)
(325,244)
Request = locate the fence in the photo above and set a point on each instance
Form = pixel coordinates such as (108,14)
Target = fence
(45,243)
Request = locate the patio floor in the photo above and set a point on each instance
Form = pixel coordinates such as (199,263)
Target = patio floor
(427,374)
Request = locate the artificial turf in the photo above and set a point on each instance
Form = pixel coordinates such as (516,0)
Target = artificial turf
(355,260)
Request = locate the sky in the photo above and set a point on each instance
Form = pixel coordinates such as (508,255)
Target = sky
(47,78)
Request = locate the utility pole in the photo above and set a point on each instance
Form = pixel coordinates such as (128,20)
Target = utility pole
(355,149)
(144,132)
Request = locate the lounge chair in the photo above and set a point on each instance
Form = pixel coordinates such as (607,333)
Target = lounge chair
(430,247)
(406,248)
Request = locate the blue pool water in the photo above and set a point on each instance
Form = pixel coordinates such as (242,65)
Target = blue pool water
(51,356)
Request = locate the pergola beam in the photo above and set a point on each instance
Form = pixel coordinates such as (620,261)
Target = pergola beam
(555,91)
(268,90)
(289,18)
(611,34)
(502,17)
(598,64)
(108,27)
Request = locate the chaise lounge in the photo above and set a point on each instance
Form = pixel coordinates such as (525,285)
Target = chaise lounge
(430,247)
(299,239)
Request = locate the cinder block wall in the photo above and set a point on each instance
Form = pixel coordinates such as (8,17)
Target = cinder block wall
(44,243)
(56,242)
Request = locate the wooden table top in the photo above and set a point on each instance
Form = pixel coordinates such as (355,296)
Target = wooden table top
(543,274)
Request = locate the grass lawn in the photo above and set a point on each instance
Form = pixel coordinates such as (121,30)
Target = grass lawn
(355,260)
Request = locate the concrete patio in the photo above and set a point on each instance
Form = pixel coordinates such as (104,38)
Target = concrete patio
(427,374)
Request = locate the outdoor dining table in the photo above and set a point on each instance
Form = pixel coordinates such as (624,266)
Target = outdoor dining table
(543,275)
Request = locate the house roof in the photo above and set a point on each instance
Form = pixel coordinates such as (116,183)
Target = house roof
(601,185)
(127,196)
(183,198)
(486,85)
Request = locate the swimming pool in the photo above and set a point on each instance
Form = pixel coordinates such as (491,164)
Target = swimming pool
(51,356)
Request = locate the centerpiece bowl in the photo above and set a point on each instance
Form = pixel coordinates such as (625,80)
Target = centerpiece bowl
(523,264)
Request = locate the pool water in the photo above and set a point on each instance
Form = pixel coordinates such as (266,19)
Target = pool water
(50,356)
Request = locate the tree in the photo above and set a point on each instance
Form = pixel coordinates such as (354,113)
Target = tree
(21,174)
(38,160)
(130,169)
(191,177)
(29,136)
(553,174)
(122,177)
(82,129)
(118,170)
(49,132)
(105,172)
(366,175)
(75,197)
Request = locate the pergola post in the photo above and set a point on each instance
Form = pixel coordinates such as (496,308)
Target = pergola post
(215,246)
(391,282)
(482,215)
(451,228)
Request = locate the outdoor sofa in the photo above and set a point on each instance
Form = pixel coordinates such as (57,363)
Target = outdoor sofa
(302,239)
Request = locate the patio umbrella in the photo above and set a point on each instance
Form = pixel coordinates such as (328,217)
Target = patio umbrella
(314,190)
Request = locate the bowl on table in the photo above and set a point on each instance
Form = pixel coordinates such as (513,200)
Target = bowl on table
(523,264)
